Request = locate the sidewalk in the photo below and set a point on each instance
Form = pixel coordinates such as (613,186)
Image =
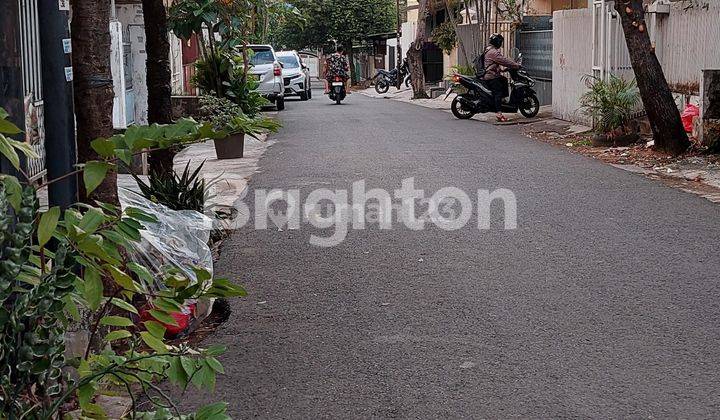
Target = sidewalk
(405,95)
(695,174)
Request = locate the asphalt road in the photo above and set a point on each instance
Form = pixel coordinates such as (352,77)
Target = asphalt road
(604,302)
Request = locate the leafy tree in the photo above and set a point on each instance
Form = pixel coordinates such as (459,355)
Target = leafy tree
(321,24)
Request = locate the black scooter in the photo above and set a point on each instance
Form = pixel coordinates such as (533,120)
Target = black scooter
(337,91)
(384,79)
(477,98)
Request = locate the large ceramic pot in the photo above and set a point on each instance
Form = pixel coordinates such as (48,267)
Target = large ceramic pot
(231,147)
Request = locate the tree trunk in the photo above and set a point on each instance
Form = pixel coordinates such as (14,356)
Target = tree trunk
(93,86)
(414,54)
(662,112)
(158,77)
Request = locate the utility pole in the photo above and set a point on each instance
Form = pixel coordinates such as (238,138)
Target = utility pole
(397,44)
(60,144)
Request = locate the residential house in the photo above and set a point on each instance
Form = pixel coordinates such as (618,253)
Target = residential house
(128,55)
(590,41)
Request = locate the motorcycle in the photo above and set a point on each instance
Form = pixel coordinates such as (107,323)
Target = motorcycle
(384,79)
(337,90)
(477,98)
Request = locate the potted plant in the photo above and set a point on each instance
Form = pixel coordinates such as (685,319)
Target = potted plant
(228,118)
(611,104)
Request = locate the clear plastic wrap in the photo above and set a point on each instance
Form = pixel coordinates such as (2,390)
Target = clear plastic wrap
(178,240)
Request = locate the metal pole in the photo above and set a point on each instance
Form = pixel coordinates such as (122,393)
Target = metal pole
(58,98)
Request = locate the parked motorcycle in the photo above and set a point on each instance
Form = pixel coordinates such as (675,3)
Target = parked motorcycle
(476,98)
(384,79)
(337,90)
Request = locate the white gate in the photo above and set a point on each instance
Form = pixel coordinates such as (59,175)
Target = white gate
(32,87)
(610,53)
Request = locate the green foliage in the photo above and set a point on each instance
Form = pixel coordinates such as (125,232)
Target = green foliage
(231,81)
(31,332)
(319,22)
(219,111)
(610,103)
(212,72)
(464,70)
(444,36)
(89,271)
(178,192)
(9,147)
(227,117)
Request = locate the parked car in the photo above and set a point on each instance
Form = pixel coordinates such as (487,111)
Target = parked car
(268,71)
(296,75)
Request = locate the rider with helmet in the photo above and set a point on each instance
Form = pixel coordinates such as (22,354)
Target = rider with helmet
(336,65)
(494,80)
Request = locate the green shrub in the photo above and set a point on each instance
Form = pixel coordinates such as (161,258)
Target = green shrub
(87,269)
(611,104)
(187,191)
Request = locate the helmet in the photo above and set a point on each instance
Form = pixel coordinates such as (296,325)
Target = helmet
(496,40)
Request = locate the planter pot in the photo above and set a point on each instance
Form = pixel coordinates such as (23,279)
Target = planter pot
(231,147)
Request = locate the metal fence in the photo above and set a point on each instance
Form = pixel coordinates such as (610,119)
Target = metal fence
(32,84)
(536,48)
(474,38)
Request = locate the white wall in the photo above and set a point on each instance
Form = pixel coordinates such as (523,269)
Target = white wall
(686,41)
(572,60)
(118,75)
(133,23)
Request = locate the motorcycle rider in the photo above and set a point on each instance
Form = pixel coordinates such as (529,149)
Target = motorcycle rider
(494,80)
(336,65)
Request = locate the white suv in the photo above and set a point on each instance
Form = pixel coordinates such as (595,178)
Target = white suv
(268,72)
(296,76)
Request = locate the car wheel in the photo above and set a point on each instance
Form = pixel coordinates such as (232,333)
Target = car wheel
(309,92)
(280,103)
(304,96)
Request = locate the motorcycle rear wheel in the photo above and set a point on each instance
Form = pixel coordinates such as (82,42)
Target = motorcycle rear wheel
(530,106)
(407,81)
(459,112)
(382,86)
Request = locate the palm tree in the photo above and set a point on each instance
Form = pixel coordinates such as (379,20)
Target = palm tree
(93,86)
(159,76)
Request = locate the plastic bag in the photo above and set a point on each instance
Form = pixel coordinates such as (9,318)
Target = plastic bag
(691,111)
(178,240)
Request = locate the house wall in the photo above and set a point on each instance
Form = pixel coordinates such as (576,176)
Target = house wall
(118,74)
(130,16)
(572,60)
(686,42)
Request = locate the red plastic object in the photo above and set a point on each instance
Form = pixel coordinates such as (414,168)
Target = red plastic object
(691,111)
(182,319)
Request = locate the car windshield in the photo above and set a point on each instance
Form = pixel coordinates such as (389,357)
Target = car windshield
(262,57)
(289,61)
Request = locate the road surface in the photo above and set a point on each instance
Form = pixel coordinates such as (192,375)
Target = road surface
(604,302)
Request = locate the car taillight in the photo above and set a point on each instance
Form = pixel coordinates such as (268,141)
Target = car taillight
(277,70)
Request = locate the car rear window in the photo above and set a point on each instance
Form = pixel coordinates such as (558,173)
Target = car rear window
(262,57)
(289,61)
